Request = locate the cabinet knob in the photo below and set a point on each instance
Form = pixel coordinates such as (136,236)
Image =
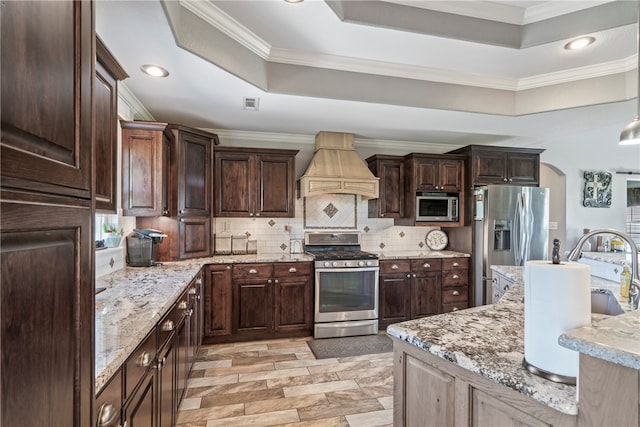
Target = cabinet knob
(168,325)
(381,214)
(414,274)
(182,305)
(456,264)
(494,280)
(455,309)
(165,212)
(426,265)
(455,276)
(144,360)
(394,267)
(510,180)
(106,415)
(437,188)
(198,297)
(269,281)
(199,281)
(276,281)
(253,271)
(181,219)
(258,214)
(250,213)
(504,179)
(181,211)
(455,293)
(228,267)
(192,291)
(408,275)
(292,270)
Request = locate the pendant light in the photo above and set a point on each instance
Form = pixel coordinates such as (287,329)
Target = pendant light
(631,133)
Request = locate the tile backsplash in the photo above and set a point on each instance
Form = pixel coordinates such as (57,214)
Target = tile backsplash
(329,212)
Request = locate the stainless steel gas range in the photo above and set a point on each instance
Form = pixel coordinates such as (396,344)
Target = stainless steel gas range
(346,285)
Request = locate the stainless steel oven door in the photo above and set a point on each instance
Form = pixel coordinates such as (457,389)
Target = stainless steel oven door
(344,294)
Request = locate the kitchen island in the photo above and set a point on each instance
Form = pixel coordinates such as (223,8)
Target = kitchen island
(466,367)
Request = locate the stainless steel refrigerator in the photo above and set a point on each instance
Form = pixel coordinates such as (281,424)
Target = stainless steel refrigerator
(511,226)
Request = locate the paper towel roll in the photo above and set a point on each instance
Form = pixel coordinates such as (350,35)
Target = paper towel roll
(557,298)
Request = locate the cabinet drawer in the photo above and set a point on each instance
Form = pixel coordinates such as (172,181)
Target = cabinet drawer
(426,265)
(138,363)
(455,294)
(454,278)
(168,324)
(286,269)
(109,401)
(253,271)
(395,266)
(454,306)
(455,264)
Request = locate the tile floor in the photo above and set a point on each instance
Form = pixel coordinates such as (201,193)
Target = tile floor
(281,383)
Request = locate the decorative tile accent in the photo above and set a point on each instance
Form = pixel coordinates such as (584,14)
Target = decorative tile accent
(330,210)
(402,234)
(247,234)
(333,211)
(366,229)
(381,245)
(421,244)
(283,246)
(111,262)
(271,222)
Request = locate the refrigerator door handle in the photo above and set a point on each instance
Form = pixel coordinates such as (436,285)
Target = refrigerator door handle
(516,231)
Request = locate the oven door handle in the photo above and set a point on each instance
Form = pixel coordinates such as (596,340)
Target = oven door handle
(346,269)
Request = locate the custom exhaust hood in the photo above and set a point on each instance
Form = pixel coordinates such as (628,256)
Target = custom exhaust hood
(336,168)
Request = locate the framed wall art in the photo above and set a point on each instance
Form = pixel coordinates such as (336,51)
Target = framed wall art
(597,189)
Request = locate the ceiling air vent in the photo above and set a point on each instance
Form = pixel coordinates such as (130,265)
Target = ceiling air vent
(251,103)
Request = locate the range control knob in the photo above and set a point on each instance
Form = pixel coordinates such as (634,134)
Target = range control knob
(369,263)
(327,264)
(334,263)
(347,263)
(361,263)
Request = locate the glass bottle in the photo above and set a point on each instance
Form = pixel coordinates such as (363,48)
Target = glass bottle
(625,281)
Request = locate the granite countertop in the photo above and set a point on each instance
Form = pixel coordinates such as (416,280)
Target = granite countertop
(489,340)
(135,298)
(620,258)
(385,255)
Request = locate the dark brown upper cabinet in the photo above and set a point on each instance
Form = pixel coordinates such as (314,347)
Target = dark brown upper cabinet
(434,174)
(47,78)
(146,158)
(252,182)
(105,127)
(390,170)
(502,165)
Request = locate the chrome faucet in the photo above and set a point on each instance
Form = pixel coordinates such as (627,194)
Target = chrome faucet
(634,286)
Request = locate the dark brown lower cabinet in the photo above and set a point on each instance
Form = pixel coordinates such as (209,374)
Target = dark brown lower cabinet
(166,376)
(394,298)
(217,301)
(426,295)
(46,310)
(293,298)
(252,306)
(140,410)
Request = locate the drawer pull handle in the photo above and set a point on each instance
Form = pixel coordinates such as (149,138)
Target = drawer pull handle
(106,415)
(455,293)
(456,264)
(455,276)
(394,267)
(182,305)
(144,360)
(253,271)
(168,325)
(455,309)
(293,270)
(426,265)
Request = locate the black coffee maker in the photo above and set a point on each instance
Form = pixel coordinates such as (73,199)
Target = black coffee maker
(141,247)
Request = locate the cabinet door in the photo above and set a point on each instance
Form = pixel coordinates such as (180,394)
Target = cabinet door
(144,172)
(217,301)
(233,188)
(182,356)
(391,200)
(427,175)
(195,237)
(489,167)
(140,411)
(194,175)
(523,168)
(46,310)
(394,299)
(293,304)
(274,195)
(428,395)
(166,382)
(47,76)
(486,410)
(425,295)
(252,307)
(450,173)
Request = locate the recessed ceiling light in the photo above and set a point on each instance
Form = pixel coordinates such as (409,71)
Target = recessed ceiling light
(579,43)
(154,70)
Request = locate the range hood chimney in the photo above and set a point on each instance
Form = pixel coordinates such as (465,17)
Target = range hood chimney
(336,168)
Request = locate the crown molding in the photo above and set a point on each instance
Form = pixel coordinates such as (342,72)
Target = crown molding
(135,106)
(212,14)
(552,9)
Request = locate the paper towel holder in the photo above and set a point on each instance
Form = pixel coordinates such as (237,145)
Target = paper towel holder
(548,375)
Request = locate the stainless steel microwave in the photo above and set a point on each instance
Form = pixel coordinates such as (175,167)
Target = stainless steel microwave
(437,207)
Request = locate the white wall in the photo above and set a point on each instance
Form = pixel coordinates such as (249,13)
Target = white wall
(592,151)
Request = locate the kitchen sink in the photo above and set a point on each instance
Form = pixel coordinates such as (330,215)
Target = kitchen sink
(604,302)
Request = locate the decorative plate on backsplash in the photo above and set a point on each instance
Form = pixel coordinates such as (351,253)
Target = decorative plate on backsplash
(436,240)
